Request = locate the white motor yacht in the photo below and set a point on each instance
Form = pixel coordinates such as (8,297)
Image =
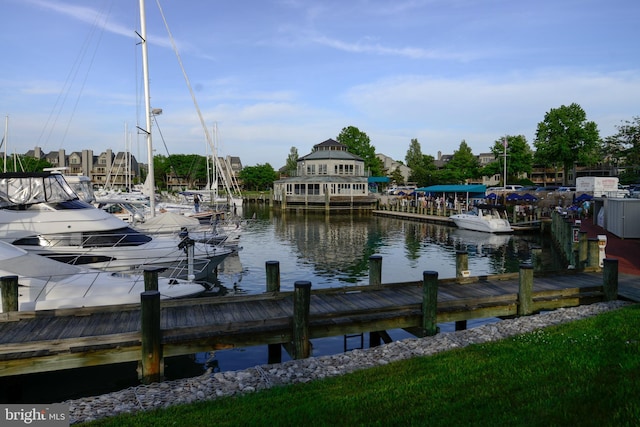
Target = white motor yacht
(40,213)
(483,217)
(45,284)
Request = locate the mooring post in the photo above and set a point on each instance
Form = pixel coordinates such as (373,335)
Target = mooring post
(273,285)
(525,290)
(301,307)
(536,258)
(462,264)
(575,245)
(375,270)
(610,277)
(151,278)
(151,346)
(462,271)
(583,249)
(273,276)
(429,303)
(594,252)
(9,293)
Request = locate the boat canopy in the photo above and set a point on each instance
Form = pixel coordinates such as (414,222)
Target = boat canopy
(475,190)
(35,187)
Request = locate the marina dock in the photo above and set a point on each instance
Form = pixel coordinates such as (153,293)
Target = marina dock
(42,341)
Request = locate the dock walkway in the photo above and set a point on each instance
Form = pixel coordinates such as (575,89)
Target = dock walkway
(71,338)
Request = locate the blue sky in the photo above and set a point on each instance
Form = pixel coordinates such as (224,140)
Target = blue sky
(276,74)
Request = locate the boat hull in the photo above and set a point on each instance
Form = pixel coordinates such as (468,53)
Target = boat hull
(475,223)
(45,284)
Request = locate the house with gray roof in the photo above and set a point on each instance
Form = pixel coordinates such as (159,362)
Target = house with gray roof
(329,178)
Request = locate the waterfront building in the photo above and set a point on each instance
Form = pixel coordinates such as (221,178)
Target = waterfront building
(329,178)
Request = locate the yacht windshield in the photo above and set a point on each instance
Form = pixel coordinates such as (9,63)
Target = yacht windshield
(30,188)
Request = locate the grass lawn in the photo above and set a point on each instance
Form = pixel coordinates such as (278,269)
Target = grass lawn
(584,373)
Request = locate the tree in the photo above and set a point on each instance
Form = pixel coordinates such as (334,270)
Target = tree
(397,177)
(28,164)
(423,167)
(462,166)
(624,147)
(414,157)
(190,168)
(519,158)
(566,137)
(358,143)
(259,177)
(291,165)
(425,174)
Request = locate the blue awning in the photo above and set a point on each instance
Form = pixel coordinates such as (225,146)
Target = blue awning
(378,179)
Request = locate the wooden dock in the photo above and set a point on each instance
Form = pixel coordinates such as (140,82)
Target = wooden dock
(40,341)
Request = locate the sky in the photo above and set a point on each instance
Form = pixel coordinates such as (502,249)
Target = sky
(269,75)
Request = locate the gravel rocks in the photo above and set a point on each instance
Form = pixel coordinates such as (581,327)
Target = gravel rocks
(212,385)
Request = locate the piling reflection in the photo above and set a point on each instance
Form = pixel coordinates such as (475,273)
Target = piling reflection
(334,250)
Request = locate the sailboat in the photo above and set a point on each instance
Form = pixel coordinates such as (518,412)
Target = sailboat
(40,213)
(234,198)
(233,193)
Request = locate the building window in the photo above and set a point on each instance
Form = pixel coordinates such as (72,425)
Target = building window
(313,189)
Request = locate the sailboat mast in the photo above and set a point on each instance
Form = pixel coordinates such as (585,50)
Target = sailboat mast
(147,109)
(5,140)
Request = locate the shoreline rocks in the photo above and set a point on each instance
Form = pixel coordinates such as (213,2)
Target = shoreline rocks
(209,386)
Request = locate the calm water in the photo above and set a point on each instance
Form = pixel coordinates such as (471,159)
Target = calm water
(334,251)
(327,251)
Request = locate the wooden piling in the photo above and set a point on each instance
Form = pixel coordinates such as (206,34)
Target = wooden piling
(536,258)
(575,245)
(594,252)
(610,278)
(9,293)
(375,270)
(273,276)
(462,263)
(429,303)
(151,278)
(583,250)
(273,285)
(151,335)
(525,289)
(301,308)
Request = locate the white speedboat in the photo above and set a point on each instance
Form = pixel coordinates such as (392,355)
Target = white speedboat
(485,218)
(40,213)
(45,284)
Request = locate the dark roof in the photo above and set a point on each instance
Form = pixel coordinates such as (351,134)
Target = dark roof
(330,154)
(330,143)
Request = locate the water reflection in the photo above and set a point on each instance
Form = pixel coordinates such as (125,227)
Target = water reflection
(326,250)
(334,250)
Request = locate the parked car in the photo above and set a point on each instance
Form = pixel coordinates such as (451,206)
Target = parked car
(548,188)
(567,189)
(506,188)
